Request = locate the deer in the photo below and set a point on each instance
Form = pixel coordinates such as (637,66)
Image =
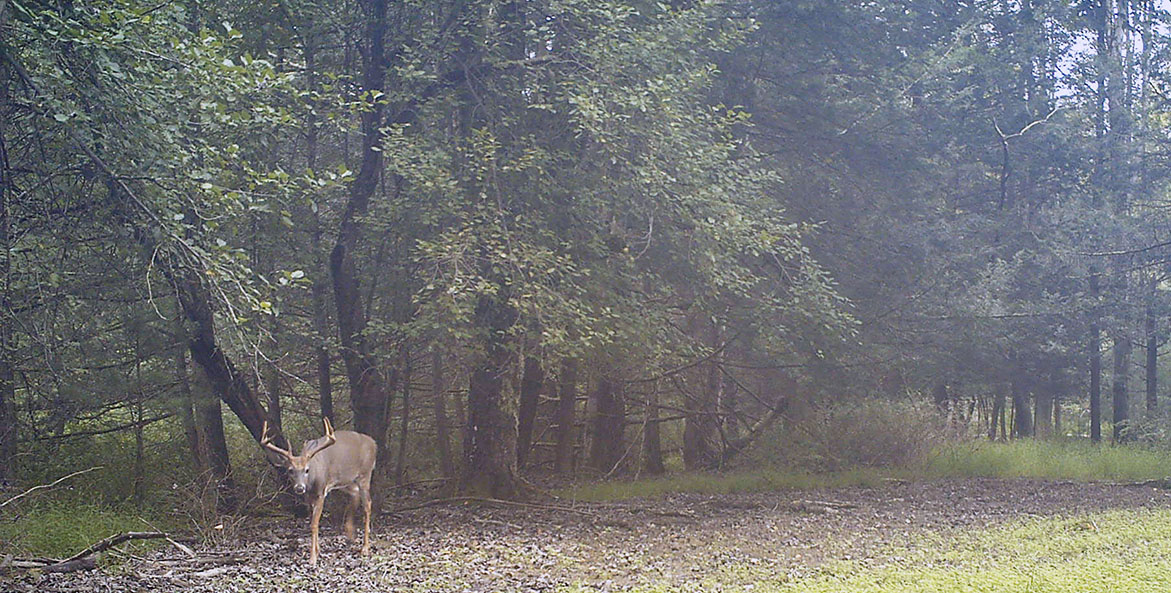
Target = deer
(337,461)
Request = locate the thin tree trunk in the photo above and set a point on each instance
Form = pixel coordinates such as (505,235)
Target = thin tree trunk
(531,384)
(1057,414)
(1122,349)
(186,406)
(400,470)
(652,441)
(275,412)
(8,421)
(1095,348)
(320,312)
(566,407)
(439,393)
(1152,351)
(1043,415)
(997,417)
(1023,413)
(139,482)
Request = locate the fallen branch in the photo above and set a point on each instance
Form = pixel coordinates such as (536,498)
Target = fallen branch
(84,559)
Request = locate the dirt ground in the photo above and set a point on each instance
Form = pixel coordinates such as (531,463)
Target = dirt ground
(681,540)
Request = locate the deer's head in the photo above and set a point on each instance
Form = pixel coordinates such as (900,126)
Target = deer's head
(297,466)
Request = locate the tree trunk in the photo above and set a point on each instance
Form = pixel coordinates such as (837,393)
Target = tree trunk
(1057,414)
(608,427)
(275,413)
(530,392)
(490,446)
(400,469)
(1022,411)
(439,403)
(211,420)
(1152,351)
(185,403)
(566,407)
(997,418)
(1122,349)
(8,419)
(369,388)
(320,311)
(941,398)
(700,425)
(652,442)
(1043,415)
(1095,348)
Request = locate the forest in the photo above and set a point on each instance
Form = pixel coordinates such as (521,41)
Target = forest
(537,247)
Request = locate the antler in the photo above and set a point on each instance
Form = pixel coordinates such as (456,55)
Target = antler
(266,441)
(321,444)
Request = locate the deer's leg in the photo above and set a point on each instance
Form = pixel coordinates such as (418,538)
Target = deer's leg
(314,524)
(365,495)
(351,506)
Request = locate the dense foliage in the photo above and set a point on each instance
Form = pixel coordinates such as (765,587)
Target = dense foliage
(570,235)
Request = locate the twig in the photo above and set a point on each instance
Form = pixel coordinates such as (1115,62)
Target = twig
(49,485)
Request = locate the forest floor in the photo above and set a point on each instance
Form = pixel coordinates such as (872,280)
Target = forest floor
(683,542)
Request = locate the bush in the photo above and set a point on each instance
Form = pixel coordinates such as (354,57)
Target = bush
(864,433)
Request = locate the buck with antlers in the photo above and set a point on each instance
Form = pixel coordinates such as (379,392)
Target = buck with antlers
(338,461)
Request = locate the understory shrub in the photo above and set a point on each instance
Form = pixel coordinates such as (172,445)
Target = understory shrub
(863,433)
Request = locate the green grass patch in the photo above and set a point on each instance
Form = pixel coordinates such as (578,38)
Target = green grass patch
(61,529)
(1045,460)
(1048,460)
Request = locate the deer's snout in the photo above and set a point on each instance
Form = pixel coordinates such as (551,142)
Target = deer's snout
(299,488)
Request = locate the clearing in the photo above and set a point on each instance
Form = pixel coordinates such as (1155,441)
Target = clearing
(897,536)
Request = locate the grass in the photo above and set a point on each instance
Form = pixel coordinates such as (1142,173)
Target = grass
(61,529)
(1047,460)
(1115,551)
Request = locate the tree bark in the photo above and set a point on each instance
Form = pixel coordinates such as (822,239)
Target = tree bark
(490,445)
(8,420)
(608,426)
(1122,349)
(400,466)
(320,311)
(1152,351)
(531,384)
(439,403)
(1022,410)
(1043,412)
(700,425)
(652,440)
(566,408)
(186,406)
(1095,348)
(369,388)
